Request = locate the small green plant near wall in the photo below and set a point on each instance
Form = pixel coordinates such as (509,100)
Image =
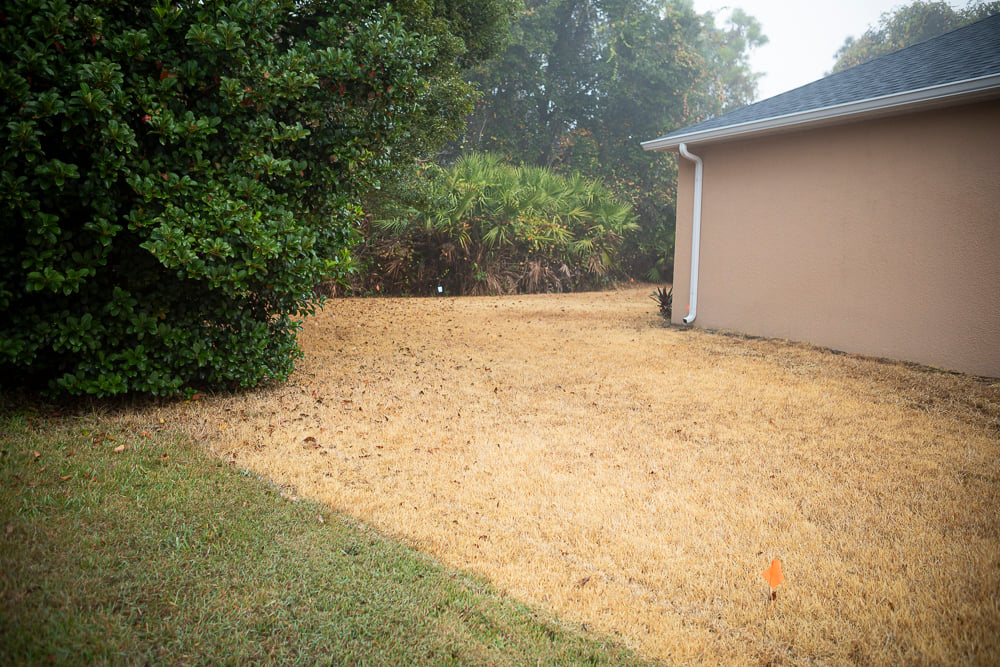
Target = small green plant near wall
(665,298)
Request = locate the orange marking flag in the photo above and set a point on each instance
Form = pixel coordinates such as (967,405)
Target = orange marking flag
(773,574)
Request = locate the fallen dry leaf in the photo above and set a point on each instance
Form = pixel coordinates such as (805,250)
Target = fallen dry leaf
(120,448)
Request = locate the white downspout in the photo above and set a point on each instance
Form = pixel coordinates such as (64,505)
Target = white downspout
(699,169)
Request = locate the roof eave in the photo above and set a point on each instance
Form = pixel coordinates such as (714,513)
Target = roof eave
(947,94)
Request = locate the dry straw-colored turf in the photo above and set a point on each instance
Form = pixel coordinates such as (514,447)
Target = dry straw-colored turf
(636,479)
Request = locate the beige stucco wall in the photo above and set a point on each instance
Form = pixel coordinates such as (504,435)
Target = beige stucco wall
(880,238)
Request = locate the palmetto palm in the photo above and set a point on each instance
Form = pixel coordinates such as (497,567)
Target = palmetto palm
(505,228)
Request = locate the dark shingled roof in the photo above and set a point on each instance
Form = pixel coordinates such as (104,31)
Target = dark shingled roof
(967,53)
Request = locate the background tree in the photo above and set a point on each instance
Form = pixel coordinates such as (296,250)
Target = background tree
(177,176)
(909,25)
(731,82)
(584,81)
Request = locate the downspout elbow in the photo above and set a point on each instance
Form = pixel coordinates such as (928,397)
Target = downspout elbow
(699,168)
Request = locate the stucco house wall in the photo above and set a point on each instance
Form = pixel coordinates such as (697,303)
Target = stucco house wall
(879,237)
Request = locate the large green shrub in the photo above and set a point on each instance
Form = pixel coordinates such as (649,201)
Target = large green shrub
(177,176)
(487,227)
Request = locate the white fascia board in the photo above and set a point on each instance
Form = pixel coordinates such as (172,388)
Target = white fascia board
(912,100)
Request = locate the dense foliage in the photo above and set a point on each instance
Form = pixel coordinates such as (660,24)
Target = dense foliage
(177,176)
(487,227)
(907,25)
(583,82)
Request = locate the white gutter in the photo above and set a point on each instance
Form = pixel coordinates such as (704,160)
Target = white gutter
(932,96)
(699,171)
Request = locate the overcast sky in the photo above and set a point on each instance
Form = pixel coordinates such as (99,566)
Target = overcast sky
(803,35)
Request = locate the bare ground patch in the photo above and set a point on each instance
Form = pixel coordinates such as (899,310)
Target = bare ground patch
(635,480)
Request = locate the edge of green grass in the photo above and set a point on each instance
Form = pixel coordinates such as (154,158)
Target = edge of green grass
(125,544)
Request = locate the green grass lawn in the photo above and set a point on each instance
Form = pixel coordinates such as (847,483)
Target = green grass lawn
(130,545)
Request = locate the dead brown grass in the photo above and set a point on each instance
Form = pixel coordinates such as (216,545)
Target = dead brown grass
(635,479)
